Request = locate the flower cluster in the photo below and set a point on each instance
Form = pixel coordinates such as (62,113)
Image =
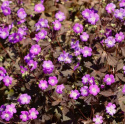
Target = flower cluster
(31,114)
(91,16)
(65,57)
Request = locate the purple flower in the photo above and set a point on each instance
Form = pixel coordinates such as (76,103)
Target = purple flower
(39,8)
(57,25)
(74,94)
(77,51)
(11,108)
(48,67)
(122,3)
(33,113)
(43,84)
(21,31)
(93,18)
(7,80)
(74,44)
(41,34)
(110,7)
(15,37)
(92,81)
(60,88)
(109,79)
(75,67)
(98,119)
(24,99)
(119,37)
(6,115)
(38,27)
(85,79)
(123,89)
(110,41)
(60,16)
(28,57)
(124,69)
(4,33)
(5,4)
(65,57)
(78,28)
(6,10)
(94,89)
(35,49)
(84,91)
(32,64)
(110,109)
(43,23)
(53,80)
(24,116)
(23,69)
(2,108)
(86,51)
(42,1)
(119,13)
(21,13)
(2,71)
(108,32)
(86,13)
(84,37)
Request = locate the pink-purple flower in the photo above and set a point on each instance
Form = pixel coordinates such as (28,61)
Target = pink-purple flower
(84,37)
(119,37)
(86,51)
(123,89)
(93,18)
(98,119)
(60,16)
(24,116)
(24,99)
(7,80)
(6,115)
(111,109)
(74,94)
(21,13)
(85,79)
(122,3)
(57,25)
(109,79)
(43,84)
(60,88)
(35,49)
(6,10)
(86,13)
(2,71)
(84,91)
(110,41)
(53,80)
(32,64)
(41,35)
(110,7)
(11,108)
(119,13)
(78,28)
(39,8)
(4,33)
(94,89)
(43,23)
(48,67)
(33,113)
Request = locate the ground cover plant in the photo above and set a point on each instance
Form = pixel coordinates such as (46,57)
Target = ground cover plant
(62,61)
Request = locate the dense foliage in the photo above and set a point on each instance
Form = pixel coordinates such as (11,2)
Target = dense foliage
(62,61)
